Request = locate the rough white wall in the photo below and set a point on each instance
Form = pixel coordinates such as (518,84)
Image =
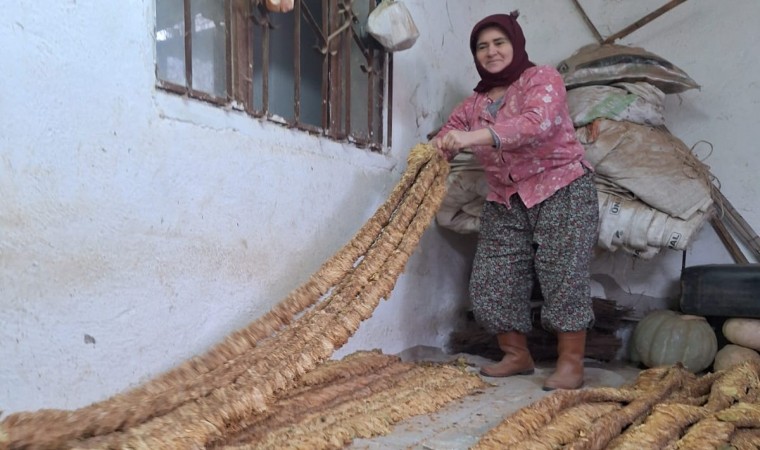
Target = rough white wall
(138,228)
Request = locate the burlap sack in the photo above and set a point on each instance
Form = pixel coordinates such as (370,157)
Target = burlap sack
(466,192)
(650,162)
(611,63)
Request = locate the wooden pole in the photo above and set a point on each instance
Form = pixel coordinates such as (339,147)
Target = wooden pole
(643,21)
(728,241)
(737,222)
(588,21)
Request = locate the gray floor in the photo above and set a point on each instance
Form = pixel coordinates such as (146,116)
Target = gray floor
(460,424)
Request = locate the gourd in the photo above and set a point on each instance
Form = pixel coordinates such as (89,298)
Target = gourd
(731,354)
(667,337)
(744,332)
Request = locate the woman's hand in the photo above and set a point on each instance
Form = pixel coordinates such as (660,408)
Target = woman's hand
(450,144)
(454,140)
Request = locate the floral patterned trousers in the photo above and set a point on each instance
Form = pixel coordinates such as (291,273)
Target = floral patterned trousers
(552,243)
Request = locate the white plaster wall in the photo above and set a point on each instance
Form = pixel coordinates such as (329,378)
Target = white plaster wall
(138,228)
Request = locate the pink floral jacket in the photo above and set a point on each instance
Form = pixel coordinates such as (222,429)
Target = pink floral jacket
(537,152)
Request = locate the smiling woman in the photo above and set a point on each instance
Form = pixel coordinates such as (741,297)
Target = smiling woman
(541,211)
(494,51)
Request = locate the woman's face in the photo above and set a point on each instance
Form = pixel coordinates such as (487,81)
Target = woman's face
(493,50)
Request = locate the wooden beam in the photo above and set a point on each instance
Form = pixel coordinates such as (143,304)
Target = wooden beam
(643,21)
(728,241)
(737,222)
(588,21)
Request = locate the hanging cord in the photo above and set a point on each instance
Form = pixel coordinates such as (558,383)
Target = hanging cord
(344,8)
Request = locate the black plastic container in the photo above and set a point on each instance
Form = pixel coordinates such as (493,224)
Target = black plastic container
(726,290)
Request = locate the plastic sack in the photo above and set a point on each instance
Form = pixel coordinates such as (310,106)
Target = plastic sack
(279,6)
(610,63)
(392,25)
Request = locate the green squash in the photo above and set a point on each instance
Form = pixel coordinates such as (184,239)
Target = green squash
(665,337)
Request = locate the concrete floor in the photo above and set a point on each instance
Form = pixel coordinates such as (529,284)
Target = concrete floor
(460,424)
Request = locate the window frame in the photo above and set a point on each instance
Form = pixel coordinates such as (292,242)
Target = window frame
(239,43)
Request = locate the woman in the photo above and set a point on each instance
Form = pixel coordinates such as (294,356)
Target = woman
(541,213)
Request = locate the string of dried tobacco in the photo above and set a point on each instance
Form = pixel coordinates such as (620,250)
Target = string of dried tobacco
(667,408)
(225,392)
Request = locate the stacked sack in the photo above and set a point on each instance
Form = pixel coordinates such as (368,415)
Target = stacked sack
(653,192)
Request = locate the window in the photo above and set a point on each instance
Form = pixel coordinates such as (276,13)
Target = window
(313,68)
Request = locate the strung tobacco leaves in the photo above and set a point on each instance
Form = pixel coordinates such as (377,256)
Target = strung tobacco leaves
(271,382)
(664,408)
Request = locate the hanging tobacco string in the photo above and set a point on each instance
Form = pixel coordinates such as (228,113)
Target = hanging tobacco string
(241,377)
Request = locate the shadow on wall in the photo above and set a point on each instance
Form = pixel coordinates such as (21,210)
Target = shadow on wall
(640,303)
(436,301)
(463,244)
(356,207)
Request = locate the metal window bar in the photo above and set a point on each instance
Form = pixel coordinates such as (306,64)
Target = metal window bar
(241,56)
(297,63)
(257,16)
(347,17)
(228,47)
(333,79)
(188,46)
(389,113)
(339,20)
(326,67)
(335,34)
(266,39)
(187,89)
(372,82)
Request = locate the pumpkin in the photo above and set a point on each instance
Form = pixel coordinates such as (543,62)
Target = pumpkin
(667,337)
(744,332)
(731,355)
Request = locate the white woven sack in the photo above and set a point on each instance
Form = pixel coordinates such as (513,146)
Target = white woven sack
(613,221)
(392,25)
(634,227)
(678,233)
(648,253)
(615,217)
(633,102)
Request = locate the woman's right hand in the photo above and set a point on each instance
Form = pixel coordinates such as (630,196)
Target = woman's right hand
(437,144)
